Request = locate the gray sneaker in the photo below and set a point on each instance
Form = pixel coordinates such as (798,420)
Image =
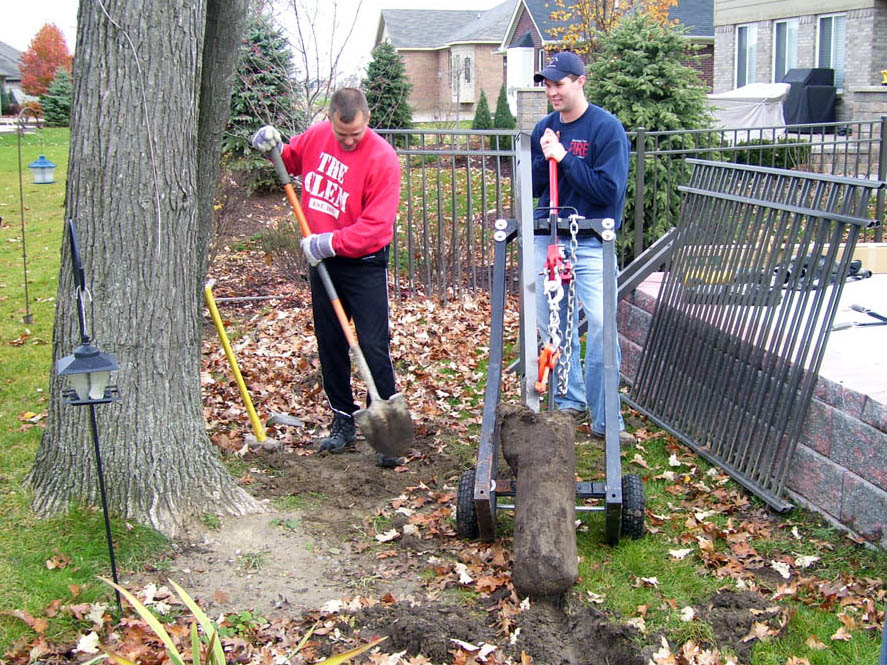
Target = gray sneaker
(577,414)
(389,462)
(626,439)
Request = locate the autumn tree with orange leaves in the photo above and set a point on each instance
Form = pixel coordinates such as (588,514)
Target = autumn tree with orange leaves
(45,55)
(583,21)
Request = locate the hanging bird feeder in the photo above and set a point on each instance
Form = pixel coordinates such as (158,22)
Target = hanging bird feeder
(43,171)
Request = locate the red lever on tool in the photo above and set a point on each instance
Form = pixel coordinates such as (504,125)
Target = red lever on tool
(547,362)
(552,182)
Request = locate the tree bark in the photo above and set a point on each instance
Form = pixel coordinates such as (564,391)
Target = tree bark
(225,23)
(138,140)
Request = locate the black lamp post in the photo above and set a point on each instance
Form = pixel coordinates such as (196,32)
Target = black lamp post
(88,370)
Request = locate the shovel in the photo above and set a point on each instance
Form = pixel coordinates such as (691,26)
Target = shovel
(386,424)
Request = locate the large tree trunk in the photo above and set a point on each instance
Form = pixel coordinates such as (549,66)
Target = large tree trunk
(134,191)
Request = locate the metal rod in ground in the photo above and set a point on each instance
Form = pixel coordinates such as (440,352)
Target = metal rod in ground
(98,463)
(20,129)
(883,659)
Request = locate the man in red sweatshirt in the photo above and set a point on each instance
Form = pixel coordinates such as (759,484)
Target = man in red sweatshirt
(350,193)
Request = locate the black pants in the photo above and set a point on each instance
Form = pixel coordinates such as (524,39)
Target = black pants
(362,286)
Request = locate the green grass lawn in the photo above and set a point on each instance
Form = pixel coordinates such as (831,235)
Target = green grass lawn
(74,545)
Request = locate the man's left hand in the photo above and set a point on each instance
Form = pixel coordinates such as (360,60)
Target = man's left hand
(317,247)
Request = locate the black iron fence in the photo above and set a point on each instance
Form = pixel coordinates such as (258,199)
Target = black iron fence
(456,182)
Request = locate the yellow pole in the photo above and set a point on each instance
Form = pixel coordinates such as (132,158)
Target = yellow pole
(214,312)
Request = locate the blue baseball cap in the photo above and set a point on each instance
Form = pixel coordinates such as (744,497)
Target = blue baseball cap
(560,65)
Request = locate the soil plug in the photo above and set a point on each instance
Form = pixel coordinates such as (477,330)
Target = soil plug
(539,448)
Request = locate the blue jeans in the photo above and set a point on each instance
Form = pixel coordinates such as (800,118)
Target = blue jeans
(587,394)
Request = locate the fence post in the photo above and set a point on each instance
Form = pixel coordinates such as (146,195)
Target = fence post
(639,174)
(882,176)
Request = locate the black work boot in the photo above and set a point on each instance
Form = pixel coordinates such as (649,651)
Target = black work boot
(342,435)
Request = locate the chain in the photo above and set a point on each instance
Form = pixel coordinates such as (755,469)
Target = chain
(554,291)
(563,369)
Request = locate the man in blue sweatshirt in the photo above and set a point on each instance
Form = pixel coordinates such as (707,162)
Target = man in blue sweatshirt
(591,149)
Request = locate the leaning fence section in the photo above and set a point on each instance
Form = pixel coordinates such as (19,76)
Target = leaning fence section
(743,314)
(455,184)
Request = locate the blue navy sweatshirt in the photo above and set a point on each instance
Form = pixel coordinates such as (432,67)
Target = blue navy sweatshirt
(592,175)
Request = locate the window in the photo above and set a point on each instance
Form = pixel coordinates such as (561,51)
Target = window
(746,54)
(462,79)
(541,59)
(785,47)
(831,45)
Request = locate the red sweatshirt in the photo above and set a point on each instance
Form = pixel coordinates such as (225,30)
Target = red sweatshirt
(354,194)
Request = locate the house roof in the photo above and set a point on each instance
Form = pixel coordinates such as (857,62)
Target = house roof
(695,15)
(698,16)
(433,28)
(9,58)
(540,11)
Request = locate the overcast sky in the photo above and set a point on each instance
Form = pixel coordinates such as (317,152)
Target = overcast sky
(22,20)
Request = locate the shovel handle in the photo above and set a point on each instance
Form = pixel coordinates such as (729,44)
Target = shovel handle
(357,356)
(290,192)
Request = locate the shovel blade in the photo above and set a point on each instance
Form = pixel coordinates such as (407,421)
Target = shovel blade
(387,426)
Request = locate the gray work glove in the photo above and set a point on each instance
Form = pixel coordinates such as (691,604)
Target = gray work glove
(266,138)
(317,247)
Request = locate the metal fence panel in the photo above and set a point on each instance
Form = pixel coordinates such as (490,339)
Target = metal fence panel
(744,311)
(456,182)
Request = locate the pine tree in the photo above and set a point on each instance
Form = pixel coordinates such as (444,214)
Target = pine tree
(387,89)
(56,102)
(263,94)
(4,102)
(643,77)
(482,118)
(503,118)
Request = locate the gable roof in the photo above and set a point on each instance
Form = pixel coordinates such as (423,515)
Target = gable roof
(540,11)
(697,16)
(437,28)
(9,58)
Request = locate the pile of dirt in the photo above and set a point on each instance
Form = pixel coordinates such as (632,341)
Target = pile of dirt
(547,633)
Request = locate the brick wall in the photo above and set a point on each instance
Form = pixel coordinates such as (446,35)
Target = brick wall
(705,65)
(532,105)
(839,467)
(725,46)
(421,69)
(490,71)
(429,72)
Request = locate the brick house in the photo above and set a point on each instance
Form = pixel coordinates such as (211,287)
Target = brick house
(450,56)
(761,42)
(529,39)
(10,76)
